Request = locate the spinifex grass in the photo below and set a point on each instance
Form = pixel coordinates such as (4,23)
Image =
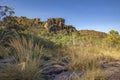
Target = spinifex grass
(28,58)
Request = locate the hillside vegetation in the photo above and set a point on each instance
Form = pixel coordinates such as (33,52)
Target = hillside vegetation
(31,49)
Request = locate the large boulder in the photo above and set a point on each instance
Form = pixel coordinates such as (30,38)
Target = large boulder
(112,69)
(69,75)
(49,70)
(54,69)
(7,61)
(10,59)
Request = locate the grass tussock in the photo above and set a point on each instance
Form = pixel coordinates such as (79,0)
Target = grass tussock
(28,58)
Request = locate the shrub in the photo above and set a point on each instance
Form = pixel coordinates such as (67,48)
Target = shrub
(112,39)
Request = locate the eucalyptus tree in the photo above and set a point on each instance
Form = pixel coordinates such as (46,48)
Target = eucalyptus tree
(6,11)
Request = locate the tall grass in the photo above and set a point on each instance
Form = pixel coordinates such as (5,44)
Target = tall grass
(89,59)
(28,58)
(26,49)
(84,58)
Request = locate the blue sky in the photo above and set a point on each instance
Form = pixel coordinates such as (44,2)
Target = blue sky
(100,15)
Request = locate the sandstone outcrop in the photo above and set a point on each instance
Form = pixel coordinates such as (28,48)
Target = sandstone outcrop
(56,24)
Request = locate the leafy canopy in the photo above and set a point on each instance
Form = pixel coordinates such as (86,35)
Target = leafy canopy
(5,11)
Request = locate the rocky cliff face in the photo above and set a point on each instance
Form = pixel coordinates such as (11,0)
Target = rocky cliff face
(56,24)
(93,33)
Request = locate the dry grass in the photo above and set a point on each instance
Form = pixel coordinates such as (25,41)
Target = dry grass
(89,58)
(28,57)
(4,52)
(83,58)
(95,74)
(26,50)
(14,72)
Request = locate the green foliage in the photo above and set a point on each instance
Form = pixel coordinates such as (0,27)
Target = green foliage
(112,39)
(113,33)
(38,40)
(10,23)
(5,11)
